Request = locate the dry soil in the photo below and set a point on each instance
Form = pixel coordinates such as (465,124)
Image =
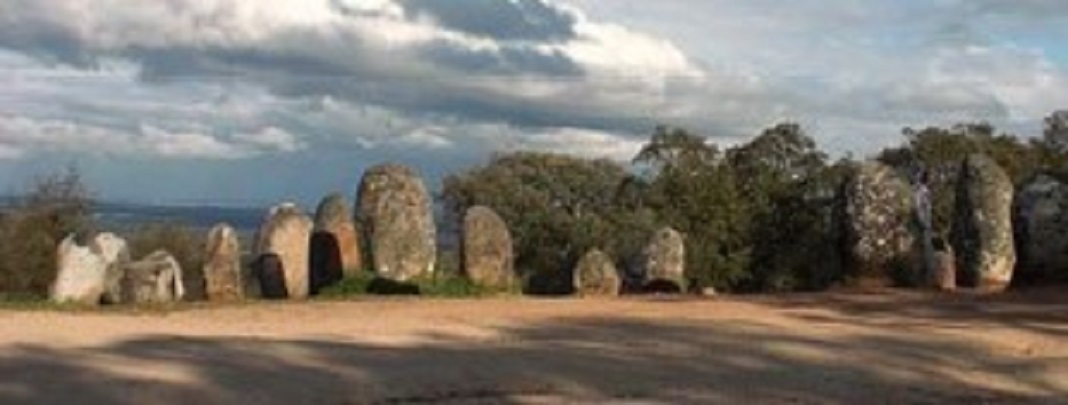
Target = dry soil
(853,348)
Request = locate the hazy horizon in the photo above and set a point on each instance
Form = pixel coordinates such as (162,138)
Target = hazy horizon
(242,103)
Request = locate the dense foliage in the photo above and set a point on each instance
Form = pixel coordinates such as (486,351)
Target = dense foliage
(760,216)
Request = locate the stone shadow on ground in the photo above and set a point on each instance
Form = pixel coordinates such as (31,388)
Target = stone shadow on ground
(1040,310)
(573,359)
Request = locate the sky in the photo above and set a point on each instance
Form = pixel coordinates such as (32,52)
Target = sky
(241,102)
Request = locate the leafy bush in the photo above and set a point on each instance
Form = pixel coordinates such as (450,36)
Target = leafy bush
(53,207)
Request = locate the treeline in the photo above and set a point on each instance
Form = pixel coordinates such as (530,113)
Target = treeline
(756,217)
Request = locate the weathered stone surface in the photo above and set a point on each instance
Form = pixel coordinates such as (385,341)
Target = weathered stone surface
(115,253)
(595,274)
(487,256)
(1042,230)
(81,276)
(335,246)
(944,275)
(665,258)
(334,216)
(943,267)
(394,209)
(286,232)
(271,276)
(156,279)
(877,210)
(982,225)
(222,265)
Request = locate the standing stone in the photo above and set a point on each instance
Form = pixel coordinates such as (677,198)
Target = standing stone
(222,265)
(335,248)
(943,272)
(595,274)
(156,279)
(81,276)
(1042,230)
(487,249)
(394,209)
(665,259)
(287,233)
(877,210)
(115,253)
(982,225)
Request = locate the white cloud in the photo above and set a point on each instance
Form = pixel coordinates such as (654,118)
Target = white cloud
(21,136)
(271,138)
(233,80)
(583,143)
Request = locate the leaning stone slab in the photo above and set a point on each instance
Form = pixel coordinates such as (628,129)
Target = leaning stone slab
(156,279)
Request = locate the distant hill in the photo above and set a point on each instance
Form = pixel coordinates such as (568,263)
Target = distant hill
(113,215)
(120,216)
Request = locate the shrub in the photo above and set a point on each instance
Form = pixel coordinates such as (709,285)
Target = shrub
(53,207)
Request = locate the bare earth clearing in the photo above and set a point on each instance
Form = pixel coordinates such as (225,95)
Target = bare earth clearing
(893,347)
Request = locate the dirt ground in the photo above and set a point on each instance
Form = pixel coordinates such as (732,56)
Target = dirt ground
(889,347)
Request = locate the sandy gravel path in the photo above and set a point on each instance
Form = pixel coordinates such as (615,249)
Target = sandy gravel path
(826,348)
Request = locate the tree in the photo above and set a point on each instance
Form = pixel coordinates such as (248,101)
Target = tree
(53,207)
(937,153)
(1053,146)
(692,191)
(557,208)
(788,192)
(1055,133)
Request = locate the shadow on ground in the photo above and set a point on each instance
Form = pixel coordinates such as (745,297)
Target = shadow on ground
(611,358)
(1041,310)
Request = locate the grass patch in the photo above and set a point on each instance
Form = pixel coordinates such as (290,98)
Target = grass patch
(26,302)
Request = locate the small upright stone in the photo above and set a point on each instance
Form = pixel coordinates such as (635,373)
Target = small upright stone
(81,274)
(665,259)
(596,275)
(335,248)
(156,279)
(394,209)
(982,225)
(222,265)
(115,253)
(877,208)
(943,276)
(487,249)
(286,232)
